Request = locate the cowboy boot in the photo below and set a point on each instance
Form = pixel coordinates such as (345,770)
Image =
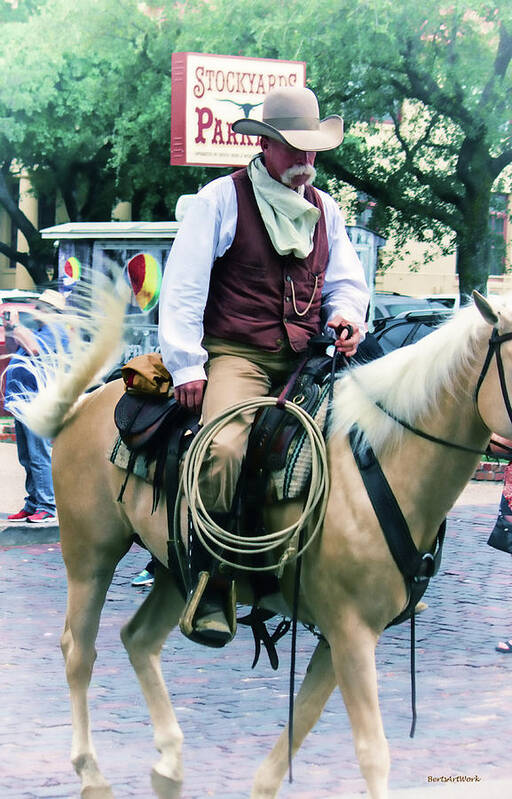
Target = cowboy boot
(209,616)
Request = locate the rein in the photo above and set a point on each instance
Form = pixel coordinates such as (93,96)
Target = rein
(495,343)
(428,436)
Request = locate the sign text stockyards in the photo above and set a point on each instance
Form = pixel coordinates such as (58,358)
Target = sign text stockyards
(210,92)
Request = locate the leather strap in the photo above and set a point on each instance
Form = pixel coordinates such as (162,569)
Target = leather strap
(416,567)
(503,383)
(175,449)
(256,621)
(495,343)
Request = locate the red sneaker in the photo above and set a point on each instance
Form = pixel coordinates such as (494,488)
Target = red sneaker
(42,517)
(20,516)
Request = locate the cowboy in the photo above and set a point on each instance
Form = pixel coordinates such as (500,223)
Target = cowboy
(262,261)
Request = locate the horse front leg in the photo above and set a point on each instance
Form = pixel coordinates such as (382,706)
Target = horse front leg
(86,596)
(353,658)
(143,637)
(314,692)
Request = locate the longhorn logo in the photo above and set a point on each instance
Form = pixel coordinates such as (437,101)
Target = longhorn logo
(246,107)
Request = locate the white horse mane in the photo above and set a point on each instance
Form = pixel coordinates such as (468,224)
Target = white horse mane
(408,382)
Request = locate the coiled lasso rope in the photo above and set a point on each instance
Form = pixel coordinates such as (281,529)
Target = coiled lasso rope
(211,535)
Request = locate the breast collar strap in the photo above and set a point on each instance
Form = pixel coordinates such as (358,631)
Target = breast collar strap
(495,343)
(415,566)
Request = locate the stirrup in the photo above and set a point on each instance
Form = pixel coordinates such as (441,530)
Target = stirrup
(188,619)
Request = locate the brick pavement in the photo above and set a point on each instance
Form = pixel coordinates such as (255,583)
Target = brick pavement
(231,715)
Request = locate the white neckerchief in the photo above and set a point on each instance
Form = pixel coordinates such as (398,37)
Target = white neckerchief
(289,218)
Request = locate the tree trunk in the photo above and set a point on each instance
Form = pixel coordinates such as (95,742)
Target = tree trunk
(473,241)
(472,264)
(41,253)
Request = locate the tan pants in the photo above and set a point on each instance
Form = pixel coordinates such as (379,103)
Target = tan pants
(236,372)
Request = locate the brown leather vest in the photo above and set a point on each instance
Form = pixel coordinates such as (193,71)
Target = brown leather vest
(255,293)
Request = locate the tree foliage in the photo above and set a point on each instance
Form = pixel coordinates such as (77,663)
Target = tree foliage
(425,91)
(442,78)
(69,74)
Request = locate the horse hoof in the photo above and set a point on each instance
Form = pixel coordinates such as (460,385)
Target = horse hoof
(96,792)
(165,787)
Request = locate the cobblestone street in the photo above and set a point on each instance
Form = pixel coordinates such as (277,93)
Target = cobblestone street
(231,715)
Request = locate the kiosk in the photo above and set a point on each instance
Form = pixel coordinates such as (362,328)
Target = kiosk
(97,246)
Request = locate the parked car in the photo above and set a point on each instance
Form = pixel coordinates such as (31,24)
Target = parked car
(399,320)
(391,304)
(18,295)
(451,301)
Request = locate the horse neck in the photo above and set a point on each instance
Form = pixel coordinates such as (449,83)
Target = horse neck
(427,477)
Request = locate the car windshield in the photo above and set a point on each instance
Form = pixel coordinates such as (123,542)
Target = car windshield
(401,305)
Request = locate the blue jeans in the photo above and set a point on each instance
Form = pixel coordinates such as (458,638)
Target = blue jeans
(35,455)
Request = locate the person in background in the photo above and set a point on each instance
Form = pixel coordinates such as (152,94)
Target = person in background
(262,262)
(146,576)
(501,536)
(34,452)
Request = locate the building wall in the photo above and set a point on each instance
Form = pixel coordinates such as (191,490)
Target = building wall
(7,274)
(424,269)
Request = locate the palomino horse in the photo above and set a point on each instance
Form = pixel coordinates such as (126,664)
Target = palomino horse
(350,586)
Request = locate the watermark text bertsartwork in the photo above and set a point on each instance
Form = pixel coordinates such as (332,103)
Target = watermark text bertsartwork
(444,778)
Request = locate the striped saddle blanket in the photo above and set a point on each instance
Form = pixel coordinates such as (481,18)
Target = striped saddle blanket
(286,460)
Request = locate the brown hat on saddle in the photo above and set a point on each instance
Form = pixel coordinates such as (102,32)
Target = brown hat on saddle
(291,115)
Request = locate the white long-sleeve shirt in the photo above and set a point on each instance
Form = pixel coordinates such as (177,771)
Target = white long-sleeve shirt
(206,232)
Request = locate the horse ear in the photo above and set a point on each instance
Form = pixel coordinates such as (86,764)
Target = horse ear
(485,308)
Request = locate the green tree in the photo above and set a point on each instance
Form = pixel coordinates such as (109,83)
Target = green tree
(425,91)
(85,108)
(12,13)
(68,70)
(442,79)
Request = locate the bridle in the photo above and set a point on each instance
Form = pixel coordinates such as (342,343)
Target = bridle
(495,343)
(494,348)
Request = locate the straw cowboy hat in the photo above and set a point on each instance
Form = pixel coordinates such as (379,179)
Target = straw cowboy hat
(291,115)
(53,298)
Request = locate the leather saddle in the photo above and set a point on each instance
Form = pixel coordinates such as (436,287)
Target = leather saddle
(146,421)
(159,429)
(140,417)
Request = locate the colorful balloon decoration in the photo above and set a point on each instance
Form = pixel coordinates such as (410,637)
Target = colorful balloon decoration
(72,271)
(145,276)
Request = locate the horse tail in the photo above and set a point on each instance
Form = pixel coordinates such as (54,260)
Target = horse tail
(86,339)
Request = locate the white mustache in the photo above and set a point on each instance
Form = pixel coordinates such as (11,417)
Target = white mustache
(299,170)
